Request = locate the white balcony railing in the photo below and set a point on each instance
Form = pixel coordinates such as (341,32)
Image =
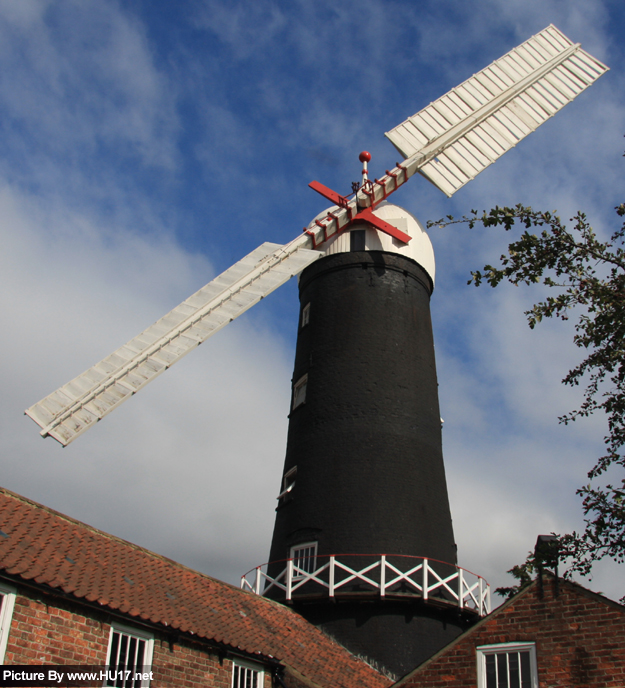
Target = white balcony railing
(433,581)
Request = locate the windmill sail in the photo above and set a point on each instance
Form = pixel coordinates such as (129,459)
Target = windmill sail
(73,408)
(449,142)
(466,130)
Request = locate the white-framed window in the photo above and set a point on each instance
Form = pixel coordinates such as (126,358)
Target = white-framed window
(299,391)
(304,558)
(507,665)
(288,482)
(246,674)
(129,657)
(305,315)
(7,602)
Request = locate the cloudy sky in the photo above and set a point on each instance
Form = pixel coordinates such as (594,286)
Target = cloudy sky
(146,146)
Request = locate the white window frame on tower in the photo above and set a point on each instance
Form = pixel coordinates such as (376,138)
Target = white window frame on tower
(299,391)
(247,674)
(486,654)
(288,482)
(304,557)
(114,663)
(7,604)
(305,315)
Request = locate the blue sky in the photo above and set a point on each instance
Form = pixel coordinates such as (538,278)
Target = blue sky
(146,146)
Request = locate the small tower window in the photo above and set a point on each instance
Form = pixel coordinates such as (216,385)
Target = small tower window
(306,315)
(304,558)
(288,482)
(357,239)
(299,391)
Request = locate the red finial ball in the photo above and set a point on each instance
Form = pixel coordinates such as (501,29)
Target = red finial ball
(365,157)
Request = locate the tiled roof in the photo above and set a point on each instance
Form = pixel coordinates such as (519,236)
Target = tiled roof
(43,546)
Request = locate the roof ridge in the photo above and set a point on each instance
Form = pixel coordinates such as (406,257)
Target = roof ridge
(472,629)
(138,548)
(109,536)
(513,599)
(585,591)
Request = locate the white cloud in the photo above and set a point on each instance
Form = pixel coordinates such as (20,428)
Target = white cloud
(189,466)
(97,245)
(79,77)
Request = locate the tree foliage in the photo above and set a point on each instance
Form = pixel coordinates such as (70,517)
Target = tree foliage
(586,281)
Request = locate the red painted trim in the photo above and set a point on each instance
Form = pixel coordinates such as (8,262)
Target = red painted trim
(403,169)
(312,236)
(368,216)
(394,176)
(324,227)
(336,220)
(326,192)
(365,215)
(385,194)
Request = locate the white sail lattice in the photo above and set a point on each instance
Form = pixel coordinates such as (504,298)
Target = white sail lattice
(474,124)
(73,408)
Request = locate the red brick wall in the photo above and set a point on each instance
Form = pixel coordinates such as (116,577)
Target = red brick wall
(48,630)
(580,641)
(43,633)
(186,666)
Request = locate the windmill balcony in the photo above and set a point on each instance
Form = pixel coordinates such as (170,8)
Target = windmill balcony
(379,576)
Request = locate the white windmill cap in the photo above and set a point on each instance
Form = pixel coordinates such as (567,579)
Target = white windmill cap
(419,248)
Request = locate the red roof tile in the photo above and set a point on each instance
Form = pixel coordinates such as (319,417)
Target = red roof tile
(129,579)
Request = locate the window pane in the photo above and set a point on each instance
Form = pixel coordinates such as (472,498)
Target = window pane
(306,315)
(507,665)
(112,661)
(525,670)
(513,660)
(121,660)
(357,240)
(502,671)
(140,659)
(127,652)
(131,660)
(299,391)
(304,559)
(114,647)
(288,482)
(491,672)
(244,677)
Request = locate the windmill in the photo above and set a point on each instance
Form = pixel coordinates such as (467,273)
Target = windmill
(364,471)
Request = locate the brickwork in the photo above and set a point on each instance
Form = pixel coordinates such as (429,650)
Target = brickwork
(182,665)
(54,633)
(579,636)
(50,630)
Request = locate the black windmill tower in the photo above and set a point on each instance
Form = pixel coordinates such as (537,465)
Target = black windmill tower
(363,489)
(363,544)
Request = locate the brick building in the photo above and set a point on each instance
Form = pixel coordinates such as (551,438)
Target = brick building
(556,634)
(71,594)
